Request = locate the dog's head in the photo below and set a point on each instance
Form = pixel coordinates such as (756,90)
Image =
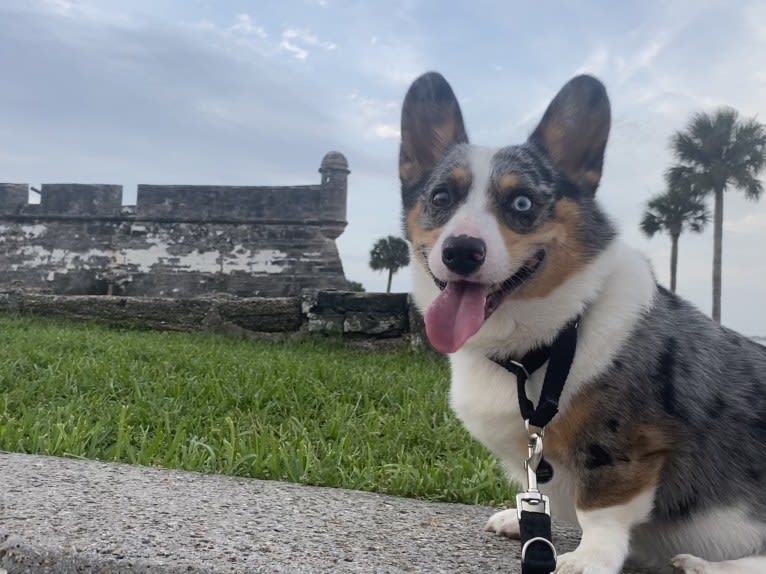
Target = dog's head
(489,226)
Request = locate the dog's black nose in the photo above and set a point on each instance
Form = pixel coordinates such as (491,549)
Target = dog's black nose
(463,254)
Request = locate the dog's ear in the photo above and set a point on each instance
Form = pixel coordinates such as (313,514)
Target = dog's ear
(574,130)
(431,124)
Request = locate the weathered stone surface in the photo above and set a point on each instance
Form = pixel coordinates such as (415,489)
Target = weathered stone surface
(340,314)
(217,314)
(13,198)
(353,313)
(375,323)
(263,315)
(363,302)
(178,241)
(80,200)
(326,324)
(208,203)
(418,337)
(158,313)
(87,257)
(73,516)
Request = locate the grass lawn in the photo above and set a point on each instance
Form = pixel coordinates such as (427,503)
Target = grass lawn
(315,412)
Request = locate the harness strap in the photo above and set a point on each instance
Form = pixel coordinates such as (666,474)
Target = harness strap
(538,555)
(559,356)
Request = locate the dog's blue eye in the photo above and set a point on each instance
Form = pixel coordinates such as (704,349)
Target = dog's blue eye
(521,203)
(441,197)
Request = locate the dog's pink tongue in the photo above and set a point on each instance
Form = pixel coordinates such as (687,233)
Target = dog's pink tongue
(455,315)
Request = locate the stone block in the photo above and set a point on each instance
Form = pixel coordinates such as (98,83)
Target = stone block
(351,301)
(158,313)
(81,200)
(263,315)
(327,324)
(355,314)
(14,197)
(418,337)
(376,324)
(297,204)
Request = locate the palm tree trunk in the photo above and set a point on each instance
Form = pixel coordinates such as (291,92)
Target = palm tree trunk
(673,261)
(390,275)
(717,241)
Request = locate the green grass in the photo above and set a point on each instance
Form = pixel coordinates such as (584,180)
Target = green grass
(315,412)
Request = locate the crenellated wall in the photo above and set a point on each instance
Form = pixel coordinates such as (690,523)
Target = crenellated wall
(177,241)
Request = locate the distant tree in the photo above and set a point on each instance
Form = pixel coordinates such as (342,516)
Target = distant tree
(676,209)
(355,286)
(716,152)
(389,253)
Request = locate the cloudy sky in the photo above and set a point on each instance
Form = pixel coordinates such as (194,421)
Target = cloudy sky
(248,93)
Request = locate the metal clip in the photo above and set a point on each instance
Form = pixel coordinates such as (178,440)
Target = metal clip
(534,456)
(521,366)
(533,500)
(532,429)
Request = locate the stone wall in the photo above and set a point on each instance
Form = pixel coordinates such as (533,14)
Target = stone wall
(349,315)
(177,241)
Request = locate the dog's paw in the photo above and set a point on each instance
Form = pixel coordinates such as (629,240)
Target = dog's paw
(688,564)
(504,523)
(583,561)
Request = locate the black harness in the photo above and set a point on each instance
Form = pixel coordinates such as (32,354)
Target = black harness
(538,555)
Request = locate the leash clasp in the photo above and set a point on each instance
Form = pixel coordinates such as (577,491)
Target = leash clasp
(534,456)
(533,500)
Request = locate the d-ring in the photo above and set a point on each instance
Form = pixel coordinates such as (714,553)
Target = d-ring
(538,539)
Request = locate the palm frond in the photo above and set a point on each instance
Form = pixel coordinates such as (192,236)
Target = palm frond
(650,224)
(717,150)
(389,253)
(679,207)
(688,149)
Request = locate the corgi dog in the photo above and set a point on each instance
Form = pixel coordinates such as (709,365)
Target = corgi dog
(658,449)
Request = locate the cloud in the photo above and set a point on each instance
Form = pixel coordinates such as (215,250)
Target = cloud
(387,131)
(63,7)
(625,60)
(138,103)
(244,25)
(296,41)
(755,17)
(374,118)
(398,64)
(246,33)
(595,63)
(389,59)
(297,51)
(751,224)
(629,65)
(306,37)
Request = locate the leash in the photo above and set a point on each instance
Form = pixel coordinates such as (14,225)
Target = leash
(538,555)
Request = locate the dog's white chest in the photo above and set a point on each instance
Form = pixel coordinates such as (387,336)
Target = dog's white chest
(484,398)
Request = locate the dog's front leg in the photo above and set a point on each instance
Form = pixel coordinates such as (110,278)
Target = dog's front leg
(605,536)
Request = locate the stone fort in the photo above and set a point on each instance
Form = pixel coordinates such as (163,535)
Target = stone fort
(178,241)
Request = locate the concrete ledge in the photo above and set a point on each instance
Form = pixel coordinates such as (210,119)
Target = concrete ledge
(65,516)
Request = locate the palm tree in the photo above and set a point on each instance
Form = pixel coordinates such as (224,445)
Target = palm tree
(672,211)
(389,253)
(716,152)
